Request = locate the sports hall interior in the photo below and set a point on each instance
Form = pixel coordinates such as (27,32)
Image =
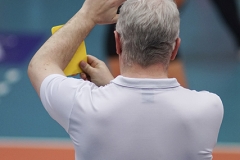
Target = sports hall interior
(209,52)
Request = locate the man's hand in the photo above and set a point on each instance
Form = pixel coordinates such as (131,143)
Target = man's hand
(97,71)
(102,11)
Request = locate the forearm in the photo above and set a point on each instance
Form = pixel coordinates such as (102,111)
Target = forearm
(58,50)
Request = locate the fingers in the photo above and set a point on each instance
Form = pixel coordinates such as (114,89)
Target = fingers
(85,67)
(93,61)
(120,2)
(102,11)
(85,77)
(115,18)
(96,71)
(89,66)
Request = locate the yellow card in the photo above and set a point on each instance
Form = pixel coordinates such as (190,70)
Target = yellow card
(73,66)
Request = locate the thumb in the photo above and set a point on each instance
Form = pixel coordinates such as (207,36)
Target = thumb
(85,67)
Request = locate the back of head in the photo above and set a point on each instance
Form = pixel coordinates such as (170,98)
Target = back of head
(148,30)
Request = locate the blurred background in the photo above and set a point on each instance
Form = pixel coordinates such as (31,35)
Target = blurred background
(209,51)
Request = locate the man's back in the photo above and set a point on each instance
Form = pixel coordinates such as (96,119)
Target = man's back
(142,119)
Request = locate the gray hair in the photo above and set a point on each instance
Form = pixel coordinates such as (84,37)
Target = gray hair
(148,30)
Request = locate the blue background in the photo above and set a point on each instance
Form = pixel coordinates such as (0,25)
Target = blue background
(208,50)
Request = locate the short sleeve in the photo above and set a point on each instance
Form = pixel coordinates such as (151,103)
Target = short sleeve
(58,93)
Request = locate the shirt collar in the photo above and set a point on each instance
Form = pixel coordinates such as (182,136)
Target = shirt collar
(146,82)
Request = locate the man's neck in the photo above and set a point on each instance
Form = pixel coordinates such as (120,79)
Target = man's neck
(154,71)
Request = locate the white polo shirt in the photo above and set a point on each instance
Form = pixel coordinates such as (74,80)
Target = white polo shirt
(134,119)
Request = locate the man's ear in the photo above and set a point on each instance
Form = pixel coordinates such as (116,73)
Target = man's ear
(118,43)
(176,47)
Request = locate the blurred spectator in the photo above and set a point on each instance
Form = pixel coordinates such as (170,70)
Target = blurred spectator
(229,12)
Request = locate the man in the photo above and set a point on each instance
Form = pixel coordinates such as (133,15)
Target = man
(139,115)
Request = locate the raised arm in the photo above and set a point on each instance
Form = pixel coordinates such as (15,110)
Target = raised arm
(58,50)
